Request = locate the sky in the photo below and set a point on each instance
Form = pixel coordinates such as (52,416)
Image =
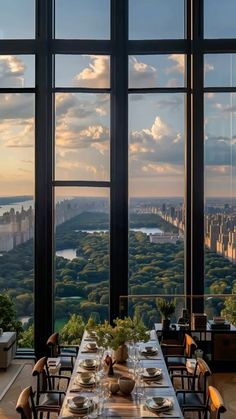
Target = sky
(156,121)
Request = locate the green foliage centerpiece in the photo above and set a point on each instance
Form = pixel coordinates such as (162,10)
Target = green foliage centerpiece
(166,309)
(115,337)
(8,321)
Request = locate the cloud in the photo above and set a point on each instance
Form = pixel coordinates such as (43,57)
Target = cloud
(17,133)
(75,138)
(179,66)
(158,144)
(70,165)
(11,71)
(27,161)
(163,169)
(81,105)
(218,170)
(219,151)
(170,102)
(210,95)
(97,74)
(16,106)
(141,74)
(208,67)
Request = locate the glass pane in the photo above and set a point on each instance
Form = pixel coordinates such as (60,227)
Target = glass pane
(156,185)
(17,71)
(82,71)
(17,19)
(146,71)
(17,205)
(82,136)
(82,19)
(82,254)
(220,183)
(219,19)
(156,19)
(219,70)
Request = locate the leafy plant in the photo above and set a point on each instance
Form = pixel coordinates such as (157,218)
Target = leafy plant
(165,307)
(73,330)
(124,330)
(8,320)
(27,338)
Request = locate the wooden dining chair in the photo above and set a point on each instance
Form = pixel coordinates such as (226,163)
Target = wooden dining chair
(215,403)
(46,394)
(178,362)
(26,407)
(195,399)
(65,353)
(213,408)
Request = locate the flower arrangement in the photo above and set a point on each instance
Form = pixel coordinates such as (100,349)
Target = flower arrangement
(126,329)
(165,307)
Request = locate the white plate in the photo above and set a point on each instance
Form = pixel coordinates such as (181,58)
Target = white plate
(157,374)
(88,367)
(75,409)
(91,383)
(158,403)
(152,351)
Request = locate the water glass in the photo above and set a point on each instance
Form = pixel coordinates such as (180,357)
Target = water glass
(133,352)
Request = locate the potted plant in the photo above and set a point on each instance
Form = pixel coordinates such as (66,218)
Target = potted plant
(116,337)
(166,309)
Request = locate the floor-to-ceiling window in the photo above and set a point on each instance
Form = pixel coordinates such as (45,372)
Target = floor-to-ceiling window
(102,111)
(219,158)
(17,160)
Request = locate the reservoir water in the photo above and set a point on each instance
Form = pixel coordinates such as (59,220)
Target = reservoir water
(71,253)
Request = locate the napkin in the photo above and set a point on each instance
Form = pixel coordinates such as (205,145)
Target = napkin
(162,382)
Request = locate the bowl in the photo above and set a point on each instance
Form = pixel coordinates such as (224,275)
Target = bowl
(79,401)
(85,377)
(92,345)
(126,384)
(89,362)
(151,371)
(114,388)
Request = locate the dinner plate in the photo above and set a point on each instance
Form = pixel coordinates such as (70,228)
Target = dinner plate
(91,383)
(152,351)
(88,367)
(84,409)
(157,374)
(158,403)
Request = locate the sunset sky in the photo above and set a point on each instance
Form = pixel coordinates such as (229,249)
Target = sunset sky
(156,121)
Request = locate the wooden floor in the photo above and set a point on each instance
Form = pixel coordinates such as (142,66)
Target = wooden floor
(226,383)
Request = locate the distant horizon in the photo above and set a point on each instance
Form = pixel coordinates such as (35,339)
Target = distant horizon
(31,197)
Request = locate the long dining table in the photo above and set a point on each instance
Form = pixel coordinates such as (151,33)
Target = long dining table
(120,405)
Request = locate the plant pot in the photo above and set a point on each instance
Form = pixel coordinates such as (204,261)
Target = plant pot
(121,354)
(165,324)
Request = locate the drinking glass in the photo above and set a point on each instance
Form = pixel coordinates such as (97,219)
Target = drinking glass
(99,361)
(133,352)
(102,391)
(139,381)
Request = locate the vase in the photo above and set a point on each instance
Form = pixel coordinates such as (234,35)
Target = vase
(165,324)
(121,354)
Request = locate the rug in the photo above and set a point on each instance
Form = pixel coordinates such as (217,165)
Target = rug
(7,377)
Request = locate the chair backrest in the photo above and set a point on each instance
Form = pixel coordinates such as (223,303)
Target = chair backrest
(215,403)
(203,372)
(40,371)
(53,344)
(190,345)
(25,404)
